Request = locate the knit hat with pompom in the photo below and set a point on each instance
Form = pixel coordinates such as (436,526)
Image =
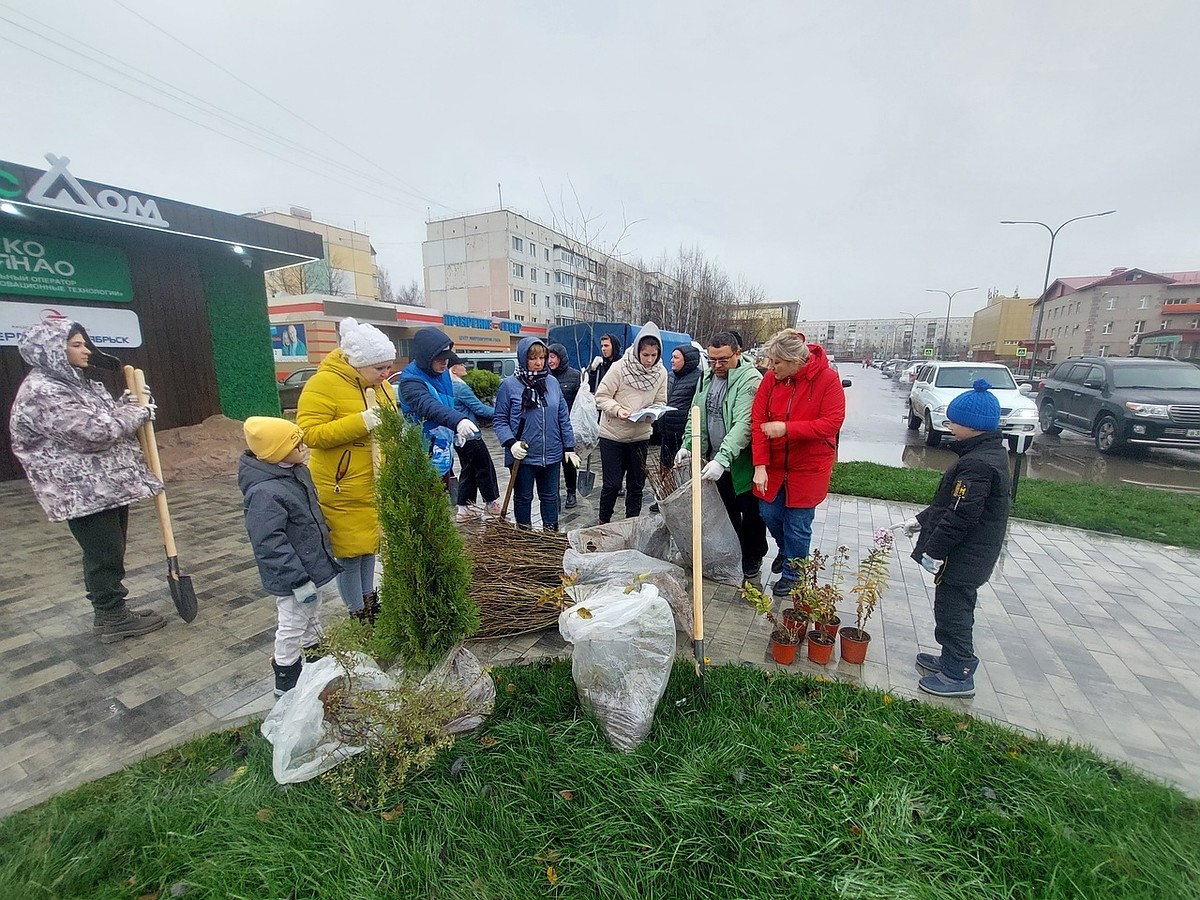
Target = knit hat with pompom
(365,345)
(977,408)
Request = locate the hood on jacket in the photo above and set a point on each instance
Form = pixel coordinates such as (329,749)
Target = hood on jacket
(560,351)
(691,359)
(252,471)
(616,345)
(429,343)
(523,348)
(817,362)
(648,330)
(44,346)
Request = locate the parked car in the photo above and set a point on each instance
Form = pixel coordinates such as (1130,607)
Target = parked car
(907,374)
(1118,401)
(889,367)
(937,383)
(290,387)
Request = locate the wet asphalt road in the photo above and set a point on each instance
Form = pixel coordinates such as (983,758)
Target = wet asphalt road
(875,432)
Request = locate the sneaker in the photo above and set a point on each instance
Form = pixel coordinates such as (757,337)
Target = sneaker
(941,686)
(464,514)
(571,501)
(777,564)
(493,509)
(122,622)
(782,587)
(929,664)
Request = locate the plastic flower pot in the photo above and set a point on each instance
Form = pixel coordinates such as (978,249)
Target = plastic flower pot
(854,645)
(783,649)
(820,647)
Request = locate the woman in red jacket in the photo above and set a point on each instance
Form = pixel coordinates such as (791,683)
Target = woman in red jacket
(797,414)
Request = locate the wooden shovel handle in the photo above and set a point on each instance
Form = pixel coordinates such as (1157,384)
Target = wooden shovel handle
(135,379)
(697,543)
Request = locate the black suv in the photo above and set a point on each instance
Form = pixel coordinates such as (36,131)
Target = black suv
(1123,400)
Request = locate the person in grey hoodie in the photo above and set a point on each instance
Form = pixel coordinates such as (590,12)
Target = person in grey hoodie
(289,538)
(80,452)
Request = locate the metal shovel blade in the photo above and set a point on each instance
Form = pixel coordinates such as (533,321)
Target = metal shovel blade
(182,590)
(585,479)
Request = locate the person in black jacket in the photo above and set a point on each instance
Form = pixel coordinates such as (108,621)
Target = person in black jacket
(681,388)
(289,538)
(962,532)
(610,352)
(569,380)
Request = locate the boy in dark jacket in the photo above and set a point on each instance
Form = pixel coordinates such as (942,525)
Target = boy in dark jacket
(962,531)
(288,534)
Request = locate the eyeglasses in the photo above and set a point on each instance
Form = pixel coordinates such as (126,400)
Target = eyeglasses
(720,360)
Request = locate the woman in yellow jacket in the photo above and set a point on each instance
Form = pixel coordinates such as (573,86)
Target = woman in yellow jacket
(337,425)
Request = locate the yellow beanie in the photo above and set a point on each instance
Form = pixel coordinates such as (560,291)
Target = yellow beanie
(271,439)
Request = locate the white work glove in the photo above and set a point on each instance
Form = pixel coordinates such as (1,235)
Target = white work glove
(931,565)
(682,457)
(572,457)
(306,593)
(596,363)
(371,418)
(520,450)
(147,402)
(712,472)
(467,430)
(908,526)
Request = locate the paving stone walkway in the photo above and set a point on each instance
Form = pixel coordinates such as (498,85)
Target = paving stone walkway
(1082,637)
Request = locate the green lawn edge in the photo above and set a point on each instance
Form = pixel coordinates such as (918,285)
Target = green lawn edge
(1162,517)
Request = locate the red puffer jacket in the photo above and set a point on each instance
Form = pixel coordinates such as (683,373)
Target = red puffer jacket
(813,405)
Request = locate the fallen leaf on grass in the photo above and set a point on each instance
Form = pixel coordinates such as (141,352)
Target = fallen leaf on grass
(962,726)
(855,830)
(263,814)
(798,748)
(510,688)
(487,741)
(887,699)
(942,738)
(567,795)
(388,814)
(551,875)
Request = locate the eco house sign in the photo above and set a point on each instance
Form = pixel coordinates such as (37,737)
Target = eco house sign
(59,189)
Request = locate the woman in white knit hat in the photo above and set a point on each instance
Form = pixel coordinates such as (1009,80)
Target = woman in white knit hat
(337,424)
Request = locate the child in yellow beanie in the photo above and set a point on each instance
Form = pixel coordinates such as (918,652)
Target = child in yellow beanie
(289,537)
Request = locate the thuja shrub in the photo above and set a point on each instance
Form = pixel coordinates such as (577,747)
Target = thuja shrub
(425,605)
(485,384)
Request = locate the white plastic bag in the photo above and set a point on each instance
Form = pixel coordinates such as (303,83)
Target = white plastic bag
(646,533)
(623,648)
(620,568)
(722,551)
(585,419)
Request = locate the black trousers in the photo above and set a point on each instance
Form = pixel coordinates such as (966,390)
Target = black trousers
(622,462)
(477,472)
(747,521)
(954,625)
(671,442)
(570,476)
(101,536)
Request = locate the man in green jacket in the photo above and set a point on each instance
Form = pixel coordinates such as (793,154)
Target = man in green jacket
(725,396)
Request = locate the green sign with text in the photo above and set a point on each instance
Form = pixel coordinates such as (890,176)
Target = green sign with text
(36,266)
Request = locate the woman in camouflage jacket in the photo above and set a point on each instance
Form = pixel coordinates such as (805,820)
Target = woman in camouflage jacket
(80,452)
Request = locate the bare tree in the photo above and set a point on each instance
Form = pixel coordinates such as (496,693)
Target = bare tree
(411,294)
(316,277)
(386,293)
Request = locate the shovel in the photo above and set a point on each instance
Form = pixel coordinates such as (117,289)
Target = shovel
(585,479)
(512,481)
(182,591)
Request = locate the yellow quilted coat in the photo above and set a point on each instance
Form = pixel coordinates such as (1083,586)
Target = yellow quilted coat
(330,415)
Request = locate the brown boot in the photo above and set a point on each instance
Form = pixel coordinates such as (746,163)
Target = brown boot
(122,622)
(97,626)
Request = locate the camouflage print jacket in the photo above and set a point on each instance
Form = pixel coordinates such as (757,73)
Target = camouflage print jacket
(77,444)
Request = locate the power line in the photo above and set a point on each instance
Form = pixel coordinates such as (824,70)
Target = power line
(416,191)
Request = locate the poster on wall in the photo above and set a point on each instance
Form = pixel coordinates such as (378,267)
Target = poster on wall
(37,266)
(289,342)
(107,327)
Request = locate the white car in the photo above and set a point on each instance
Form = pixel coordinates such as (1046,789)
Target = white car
(937,383)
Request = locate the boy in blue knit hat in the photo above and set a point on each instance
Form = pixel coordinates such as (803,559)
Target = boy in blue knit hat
(961,533)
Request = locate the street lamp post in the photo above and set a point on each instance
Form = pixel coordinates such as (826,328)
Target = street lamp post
(913,328)
(949,299)
(1037,331)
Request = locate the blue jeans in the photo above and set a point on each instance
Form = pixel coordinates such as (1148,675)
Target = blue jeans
(546,479)
(356,580)
(790,526)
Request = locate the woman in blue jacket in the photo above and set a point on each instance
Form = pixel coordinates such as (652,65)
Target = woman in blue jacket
(475,461)
(534,425)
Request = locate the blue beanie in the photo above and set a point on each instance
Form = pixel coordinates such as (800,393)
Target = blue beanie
(977,408)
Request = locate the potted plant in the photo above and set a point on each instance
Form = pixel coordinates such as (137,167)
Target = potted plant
(824,613)
(786,631)
(870,581)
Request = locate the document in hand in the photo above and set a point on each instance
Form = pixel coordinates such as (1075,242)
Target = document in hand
(650,413)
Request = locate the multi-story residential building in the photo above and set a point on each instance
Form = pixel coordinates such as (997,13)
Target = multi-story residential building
(999,328)
(1106,315)
(348,269)
(504,264)
(899,336)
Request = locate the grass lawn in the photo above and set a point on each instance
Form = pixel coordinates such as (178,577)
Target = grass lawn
(1151,515)
(781,786)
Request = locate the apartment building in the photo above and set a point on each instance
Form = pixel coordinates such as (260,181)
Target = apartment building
(348,269)
(1107,315)
(999,328)
(899,336)
(505,264)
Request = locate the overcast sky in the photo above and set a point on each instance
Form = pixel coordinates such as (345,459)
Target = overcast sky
(848,154)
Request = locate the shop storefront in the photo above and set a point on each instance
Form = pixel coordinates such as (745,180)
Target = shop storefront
(172,288)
